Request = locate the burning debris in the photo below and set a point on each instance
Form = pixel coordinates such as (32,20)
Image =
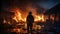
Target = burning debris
(18,16)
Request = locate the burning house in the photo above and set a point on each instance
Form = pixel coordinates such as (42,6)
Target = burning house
(53,15)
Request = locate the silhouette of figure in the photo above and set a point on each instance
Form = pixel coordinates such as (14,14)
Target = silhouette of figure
(30,20)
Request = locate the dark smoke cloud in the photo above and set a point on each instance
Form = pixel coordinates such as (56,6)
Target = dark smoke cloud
(22,4)
(18,2)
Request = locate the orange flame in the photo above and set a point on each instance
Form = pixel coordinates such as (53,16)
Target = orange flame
(18,17)
(52,17)
(39,18)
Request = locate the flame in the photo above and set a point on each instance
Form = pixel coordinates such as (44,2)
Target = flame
(18,16)
(39,18)
(52,17)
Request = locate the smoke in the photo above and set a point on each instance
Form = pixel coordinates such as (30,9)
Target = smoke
(24,6)
(21,4)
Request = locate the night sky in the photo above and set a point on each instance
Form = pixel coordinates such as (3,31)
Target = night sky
(46,4)
(49,3)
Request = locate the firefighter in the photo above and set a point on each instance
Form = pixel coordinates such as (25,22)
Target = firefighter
(30,21)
